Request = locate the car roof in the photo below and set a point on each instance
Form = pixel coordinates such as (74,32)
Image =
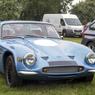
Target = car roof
(22,21)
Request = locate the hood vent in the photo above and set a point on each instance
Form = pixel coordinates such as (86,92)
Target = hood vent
(72,57)
(45,57)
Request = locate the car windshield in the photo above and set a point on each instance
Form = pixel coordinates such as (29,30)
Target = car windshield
(73,21)
(28,30)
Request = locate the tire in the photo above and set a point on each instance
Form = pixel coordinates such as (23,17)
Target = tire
(91,45)
(80,36)
(86,79)
(64,34)
(12,79)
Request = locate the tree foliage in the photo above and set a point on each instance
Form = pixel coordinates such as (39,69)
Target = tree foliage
(85,11)
(35,9)
(31,9)
(9,9)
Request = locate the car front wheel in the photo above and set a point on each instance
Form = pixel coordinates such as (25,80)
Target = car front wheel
(64,34)
(12,79)
(86,79)
(91,45)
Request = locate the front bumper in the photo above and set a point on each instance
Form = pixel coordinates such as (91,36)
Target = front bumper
(75,34)
(91,71)
(53,76)
(71,32)
(25,73)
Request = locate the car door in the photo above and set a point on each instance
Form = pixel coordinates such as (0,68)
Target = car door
(62,25)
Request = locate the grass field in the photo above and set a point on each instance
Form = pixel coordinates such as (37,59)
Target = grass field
(72,88)
(75,39)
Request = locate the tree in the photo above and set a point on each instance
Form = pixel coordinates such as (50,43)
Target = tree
(9,9)
(35,9)
(85,11)
(31,9)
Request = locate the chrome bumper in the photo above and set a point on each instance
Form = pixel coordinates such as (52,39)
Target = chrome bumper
(35,73)
(91,71)
(27,73)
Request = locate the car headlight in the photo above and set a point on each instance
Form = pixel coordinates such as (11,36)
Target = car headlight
(29,59)
(90,58)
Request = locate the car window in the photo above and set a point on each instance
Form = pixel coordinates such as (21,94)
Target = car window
(92,27)
(62,22)
(7,29)
(41,30)
(73,21)
(50,31)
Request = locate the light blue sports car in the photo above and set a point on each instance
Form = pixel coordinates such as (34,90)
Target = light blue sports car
(34,51)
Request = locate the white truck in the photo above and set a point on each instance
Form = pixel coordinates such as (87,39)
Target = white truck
(65,24)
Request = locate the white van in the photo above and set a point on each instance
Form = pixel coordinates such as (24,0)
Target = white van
(65,24)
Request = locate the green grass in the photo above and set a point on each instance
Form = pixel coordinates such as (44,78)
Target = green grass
(75,39)
(72,88)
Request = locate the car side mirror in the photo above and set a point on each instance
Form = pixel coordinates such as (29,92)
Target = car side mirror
(61,37)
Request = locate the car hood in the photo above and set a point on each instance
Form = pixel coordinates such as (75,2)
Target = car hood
(77,27)
(49,49)
(58,49)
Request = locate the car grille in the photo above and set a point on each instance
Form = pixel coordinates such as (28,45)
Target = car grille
(60,63)
(62,69)
(78,30)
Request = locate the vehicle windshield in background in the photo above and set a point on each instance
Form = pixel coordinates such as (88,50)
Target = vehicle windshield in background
(31,30)
(71,21)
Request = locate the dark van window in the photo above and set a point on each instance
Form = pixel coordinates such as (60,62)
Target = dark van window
(62,22)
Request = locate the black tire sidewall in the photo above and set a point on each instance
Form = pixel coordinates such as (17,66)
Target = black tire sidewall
(64,32)
(15,80)
(91,43)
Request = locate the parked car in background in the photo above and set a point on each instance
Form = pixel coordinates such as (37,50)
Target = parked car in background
(65,24)
(85,26)
(88,38)
(37,52)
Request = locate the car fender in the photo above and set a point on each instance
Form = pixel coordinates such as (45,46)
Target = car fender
(17,51)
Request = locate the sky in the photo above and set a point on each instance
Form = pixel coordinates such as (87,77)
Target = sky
(76,1)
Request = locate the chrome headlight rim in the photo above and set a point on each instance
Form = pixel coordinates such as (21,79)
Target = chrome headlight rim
(29,59)
(90,58)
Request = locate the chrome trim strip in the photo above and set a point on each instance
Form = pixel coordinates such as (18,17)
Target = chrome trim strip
(27,73)
(91,71)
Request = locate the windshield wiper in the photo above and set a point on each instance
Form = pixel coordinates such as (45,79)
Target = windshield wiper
(40,36)
(12,37)
(34,36)
(53,37)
